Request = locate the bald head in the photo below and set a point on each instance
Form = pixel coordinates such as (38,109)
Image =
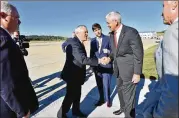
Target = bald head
(170,11)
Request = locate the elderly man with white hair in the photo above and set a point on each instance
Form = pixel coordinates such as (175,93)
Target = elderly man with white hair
(74,71)
(127,56)
(18,98)
(163,100)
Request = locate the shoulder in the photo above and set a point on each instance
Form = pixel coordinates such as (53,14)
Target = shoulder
(93,40)
(130,30)
(106,37)
(4,38)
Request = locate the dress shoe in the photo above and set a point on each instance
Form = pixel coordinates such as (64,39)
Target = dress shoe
(99,103)
(60,114)
(118,112)
(109,104)
(79,114)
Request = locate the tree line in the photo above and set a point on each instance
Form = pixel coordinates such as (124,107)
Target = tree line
(45,38)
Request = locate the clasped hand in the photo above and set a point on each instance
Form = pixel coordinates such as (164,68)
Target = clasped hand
(104,60)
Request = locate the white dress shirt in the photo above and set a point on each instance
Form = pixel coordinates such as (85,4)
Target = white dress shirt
(118,32)
(100,43)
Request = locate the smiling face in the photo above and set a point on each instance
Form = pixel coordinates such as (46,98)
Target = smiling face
(111,24)
(97,32)
(82,34)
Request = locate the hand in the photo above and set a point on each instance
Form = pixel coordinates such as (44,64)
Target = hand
(104,60)
(135,78)
(27,116)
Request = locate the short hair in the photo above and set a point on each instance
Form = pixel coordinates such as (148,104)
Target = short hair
(96,26)
(114,15)
(78,28)
(6,7)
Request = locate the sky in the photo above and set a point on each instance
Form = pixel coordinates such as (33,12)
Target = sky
(60,18)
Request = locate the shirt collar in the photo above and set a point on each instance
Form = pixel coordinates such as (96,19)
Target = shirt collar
(119,29)
(176,20)
(6,31)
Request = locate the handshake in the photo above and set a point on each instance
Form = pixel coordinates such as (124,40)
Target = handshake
(104,60)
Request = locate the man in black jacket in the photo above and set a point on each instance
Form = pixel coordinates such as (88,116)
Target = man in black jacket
(74,71)
(18,98)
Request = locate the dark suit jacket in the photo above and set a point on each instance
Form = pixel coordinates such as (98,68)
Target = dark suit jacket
(17,93)
(128,57)
(94,52)
(74,70)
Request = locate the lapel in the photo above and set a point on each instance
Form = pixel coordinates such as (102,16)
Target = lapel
(97,43)
(121,38)
(112,42)
(82,45)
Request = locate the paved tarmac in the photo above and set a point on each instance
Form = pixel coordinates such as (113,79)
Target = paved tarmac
(45,62)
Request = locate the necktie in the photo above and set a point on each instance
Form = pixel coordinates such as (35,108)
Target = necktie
(115,39)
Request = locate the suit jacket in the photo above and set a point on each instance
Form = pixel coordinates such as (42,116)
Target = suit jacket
(74,70)
(128,56)
(17,93)
(104,52)
(163,102)
(167,106)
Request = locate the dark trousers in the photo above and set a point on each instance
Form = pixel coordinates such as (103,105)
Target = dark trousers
(99,83)
(73,95)
(103,81)
(126,93)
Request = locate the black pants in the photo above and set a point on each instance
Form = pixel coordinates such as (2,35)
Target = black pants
(99,82)
(126,93)
(73,95)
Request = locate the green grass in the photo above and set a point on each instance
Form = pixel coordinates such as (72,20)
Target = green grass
(149,67)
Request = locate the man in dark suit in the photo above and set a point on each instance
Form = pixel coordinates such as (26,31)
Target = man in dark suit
(74,71)
(18,98)
(127,55)
(100,47)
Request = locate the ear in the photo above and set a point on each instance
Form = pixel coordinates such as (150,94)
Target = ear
(3,15)
(174,5)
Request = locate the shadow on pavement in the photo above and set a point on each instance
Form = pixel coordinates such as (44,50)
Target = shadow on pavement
(48,100)
(139,107)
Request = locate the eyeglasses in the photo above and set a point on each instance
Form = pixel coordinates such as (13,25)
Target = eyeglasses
(15,18)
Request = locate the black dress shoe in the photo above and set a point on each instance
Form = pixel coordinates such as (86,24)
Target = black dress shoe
(118,112)
(60,114)
(79,114)
(99,103)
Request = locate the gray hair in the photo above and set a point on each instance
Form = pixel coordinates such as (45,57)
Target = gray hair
(114,15)
(6,7)
(79,28)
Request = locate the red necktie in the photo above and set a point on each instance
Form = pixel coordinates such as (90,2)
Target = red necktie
(115,39)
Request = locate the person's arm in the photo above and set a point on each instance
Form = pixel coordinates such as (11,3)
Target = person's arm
(64,46)
(137,47)
(80,56)
(10,90)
